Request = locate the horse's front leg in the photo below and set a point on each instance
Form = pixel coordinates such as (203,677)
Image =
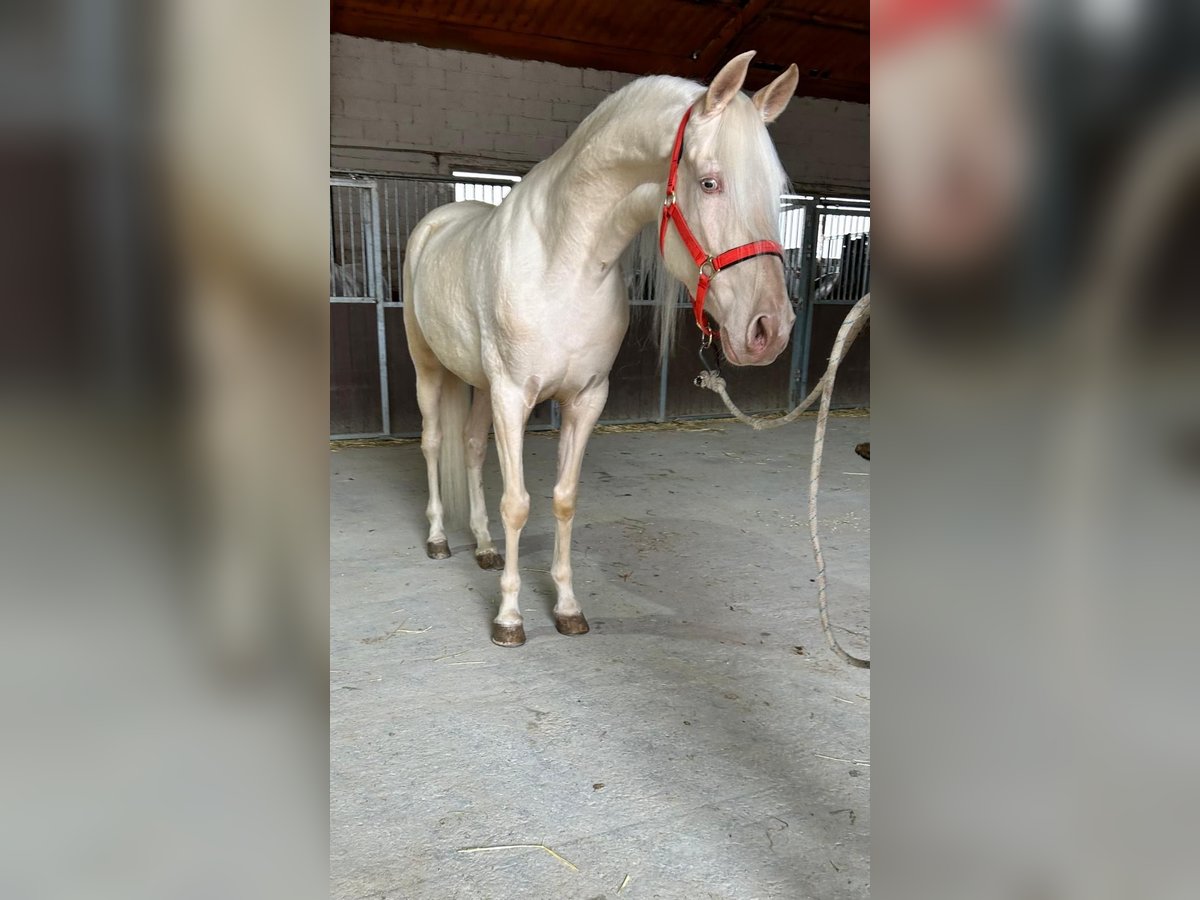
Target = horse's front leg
(510,411)
(578,418)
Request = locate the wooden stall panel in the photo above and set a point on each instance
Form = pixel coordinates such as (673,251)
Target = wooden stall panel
(633,384)
(354,406)
(402,377)
(853,385)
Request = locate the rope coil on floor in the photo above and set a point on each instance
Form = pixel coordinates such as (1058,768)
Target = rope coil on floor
(711,379)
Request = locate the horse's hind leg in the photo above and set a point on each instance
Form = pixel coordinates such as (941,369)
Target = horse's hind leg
(431,378)
(476,442)
(578,418)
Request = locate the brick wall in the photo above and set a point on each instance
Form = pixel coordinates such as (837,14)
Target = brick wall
(408,109)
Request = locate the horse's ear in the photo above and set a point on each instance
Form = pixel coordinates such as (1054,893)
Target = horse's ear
(727,83)
(773,99)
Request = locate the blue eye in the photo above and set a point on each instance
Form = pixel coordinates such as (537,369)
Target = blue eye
(710,185)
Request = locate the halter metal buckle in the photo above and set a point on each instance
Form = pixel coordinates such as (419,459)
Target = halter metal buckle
(670,201)
(708,268)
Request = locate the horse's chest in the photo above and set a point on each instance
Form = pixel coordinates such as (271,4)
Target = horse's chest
(558,354)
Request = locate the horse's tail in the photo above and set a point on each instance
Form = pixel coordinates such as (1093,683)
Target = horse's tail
(454,406)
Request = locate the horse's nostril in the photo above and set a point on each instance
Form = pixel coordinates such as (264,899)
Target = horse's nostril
(759,334)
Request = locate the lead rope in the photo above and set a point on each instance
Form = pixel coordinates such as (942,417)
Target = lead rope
(712,380)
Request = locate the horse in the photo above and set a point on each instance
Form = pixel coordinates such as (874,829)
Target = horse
(526,301)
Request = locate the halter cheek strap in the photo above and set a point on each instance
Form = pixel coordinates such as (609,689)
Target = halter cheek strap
(709,265)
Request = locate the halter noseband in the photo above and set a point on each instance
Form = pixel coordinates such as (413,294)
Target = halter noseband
(709,265)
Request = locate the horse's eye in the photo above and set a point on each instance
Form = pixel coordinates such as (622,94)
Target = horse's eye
(710,185)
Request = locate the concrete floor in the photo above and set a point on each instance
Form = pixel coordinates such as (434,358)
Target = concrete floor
(682,743)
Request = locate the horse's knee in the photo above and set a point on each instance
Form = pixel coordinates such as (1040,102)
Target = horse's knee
(431,443)
(564,503)
(514,509)
(476,451)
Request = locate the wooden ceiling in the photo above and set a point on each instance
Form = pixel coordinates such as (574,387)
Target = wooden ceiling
(828,39)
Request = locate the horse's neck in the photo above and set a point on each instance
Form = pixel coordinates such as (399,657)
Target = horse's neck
(609,183)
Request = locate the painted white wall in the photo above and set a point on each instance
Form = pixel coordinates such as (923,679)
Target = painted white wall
(408,109)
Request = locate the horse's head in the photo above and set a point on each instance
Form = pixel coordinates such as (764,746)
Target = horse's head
(728,186)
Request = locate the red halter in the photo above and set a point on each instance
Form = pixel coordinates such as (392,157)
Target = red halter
(709,265)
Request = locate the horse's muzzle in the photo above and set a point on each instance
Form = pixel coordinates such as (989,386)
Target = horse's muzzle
(766,337)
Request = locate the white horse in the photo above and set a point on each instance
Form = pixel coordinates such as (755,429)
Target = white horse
(525,301)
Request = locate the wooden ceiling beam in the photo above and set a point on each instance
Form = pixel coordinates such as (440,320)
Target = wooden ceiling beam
(395,26)
(716,54)
(817,20)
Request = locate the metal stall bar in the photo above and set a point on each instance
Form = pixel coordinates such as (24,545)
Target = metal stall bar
(339,195)
(839,266)
(355,260)
(802,329)
(358,288)
(342,251)
(332,261)
(372,197)
(386,296)
(406,194)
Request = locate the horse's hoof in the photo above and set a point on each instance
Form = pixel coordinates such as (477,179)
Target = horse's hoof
(575,624)
(508,635)
(438,550)
(489,559)
(864,450)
